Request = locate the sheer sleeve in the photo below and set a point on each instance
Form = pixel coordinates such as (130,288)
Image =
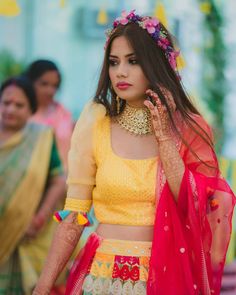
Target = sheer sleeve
(81,162)
(199,156)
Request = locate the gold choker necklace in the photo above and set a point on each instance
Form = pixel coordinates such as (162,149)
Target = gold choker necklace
(135,120)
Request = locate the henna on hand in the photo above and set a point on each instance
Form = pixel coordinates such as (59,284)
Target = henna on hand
(172,163)
(64,242)
(159,113)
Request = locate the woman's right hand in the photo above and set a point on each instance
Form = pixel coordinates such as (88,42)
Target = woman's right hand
(35,226)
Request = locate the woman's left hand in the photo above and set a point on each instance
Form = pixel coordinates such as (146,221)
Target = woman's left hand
(160,117)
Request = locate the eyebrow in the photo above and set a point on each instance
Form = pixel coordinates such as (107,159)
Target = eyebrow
(127,55)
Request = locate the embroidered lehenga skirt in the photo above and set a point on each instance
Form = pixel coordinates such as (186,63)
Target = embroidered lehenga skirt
(116,267)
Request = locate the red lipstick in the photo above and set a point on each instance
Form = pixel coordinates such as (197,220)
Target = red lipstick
(123,85)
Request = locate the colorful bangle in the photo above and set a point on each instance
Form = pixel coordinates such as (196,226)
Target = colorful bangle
(82,217)
(75,205)
(61,215)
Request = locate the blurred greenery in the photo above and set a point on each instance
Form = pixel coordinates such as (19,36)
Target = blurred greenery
(214,63)
(9,65)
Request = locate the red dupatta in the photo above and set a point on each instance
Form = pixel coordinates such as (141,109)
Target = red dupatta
(191,235)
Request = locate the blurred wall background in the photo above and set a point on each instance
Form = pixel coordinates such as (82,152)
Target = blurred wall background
(71,32)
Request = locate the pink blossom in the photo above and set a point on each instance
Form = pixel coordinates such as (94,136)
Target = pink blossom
(124,14)
(115,23)
(131,13)
(124,18)
(162,44)
(124,21)
(165,41)
(172,59)
(150,25)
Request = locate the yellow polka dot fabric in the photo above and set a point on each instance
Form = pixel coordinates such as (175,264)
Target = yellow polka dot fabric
(125,189)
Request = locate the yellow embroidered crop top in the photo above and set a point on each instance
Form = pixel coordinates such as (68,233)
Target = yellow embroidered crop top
(123,189)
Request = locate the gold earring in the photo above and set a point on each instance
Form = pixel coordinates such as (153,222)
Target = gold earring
(117,104)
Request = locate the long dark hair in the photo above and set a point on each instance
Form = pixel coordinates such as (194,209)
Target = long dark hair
(39,67)
(157,70)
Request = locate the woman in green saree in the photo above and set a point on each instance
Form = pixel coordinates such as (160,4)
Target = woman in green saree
(31,185)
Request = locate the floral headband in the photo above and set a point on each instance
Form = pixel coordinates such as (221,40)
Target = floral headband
(154,29)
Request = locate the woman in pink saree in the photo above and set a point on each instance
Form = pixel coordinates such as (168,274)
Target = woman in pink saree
(143,156)
(46,79)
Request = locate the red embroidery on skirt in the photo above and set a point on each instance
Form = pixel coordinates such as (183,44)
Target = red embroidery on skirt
(125,268)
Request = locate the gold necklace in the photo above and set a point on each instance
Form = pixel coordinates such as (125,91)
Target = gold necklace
(135,120)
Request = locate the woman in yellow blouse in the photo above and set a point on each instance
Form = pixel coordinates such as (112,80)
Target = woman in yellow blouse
(142,155)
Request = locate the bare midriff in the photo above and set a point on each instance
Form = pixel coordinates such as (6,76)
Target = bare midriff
(125,232)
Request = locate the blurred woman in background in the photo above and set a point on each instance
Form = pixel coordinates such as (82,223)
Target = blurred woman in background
(31,184)
(46,79)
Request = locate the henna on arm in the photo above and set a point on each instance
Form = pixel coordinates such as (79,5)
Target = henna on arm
(172,163)
(64,242)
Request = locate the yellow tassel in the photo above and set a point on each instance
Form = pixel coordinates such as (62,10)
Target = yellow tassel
(160,13)
(102,18)
(205,7)
(9,8)
(55,219)
(81,219)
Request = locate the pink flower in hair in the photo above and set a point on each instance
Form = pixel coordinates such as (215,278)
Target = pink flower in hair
(162,45)
(124,14)
(123,19)
(165,41)
(172,58)
(150,25)
(131,14)
(120,20)
(154,28)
